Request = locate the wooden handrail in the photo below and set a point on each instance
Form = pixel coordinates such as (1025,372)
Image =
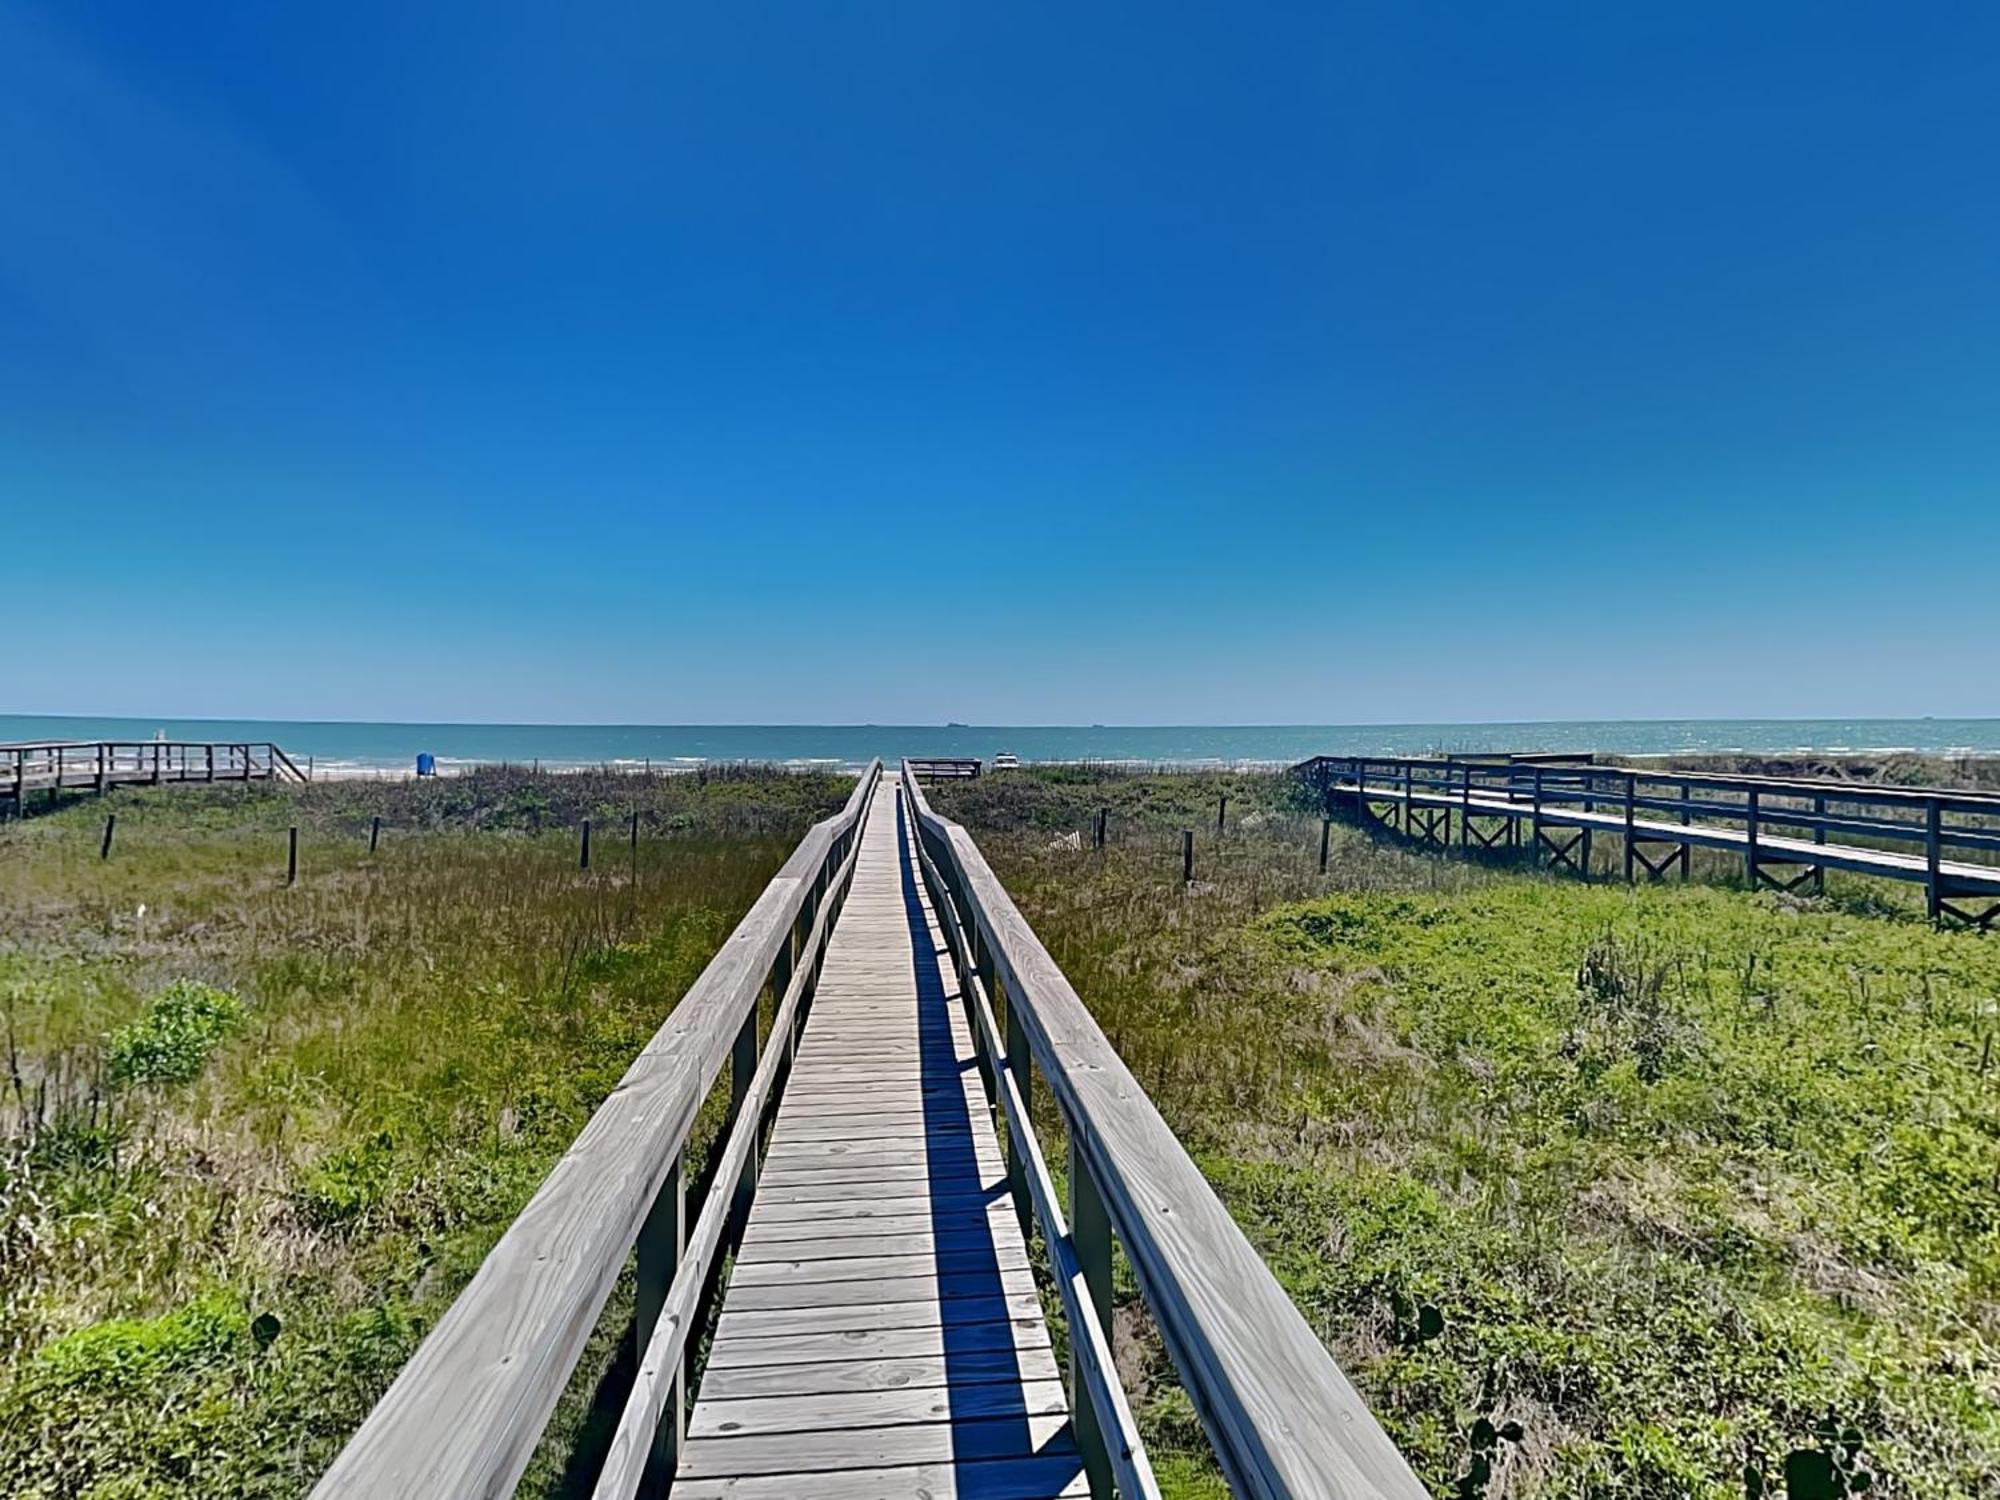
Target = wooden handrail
(463,1417)
(1282,1418)
(1111,1438)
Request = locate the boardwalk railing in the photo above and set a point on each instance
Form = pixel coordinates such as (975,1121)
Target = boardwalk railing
(1282,1418)
(96,764)
(464,1416)
(1787,830)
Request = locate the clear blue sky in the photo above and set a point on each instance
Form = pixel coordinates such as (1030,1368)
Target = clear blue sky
(999,362)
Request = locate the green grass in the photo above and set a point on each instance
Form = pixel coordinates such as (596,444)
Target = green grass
(1700,1188)
(254,1138)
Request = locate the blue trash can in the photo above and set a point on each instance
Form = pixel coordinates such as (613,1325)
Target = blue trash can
(426,763)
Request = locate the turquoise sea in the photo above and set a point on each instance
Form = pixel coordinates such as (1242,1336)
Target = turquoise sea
(354,748)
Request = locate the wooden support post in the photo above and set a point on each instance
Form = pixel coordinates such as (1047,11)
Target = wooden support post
(20,783)
(156,763)
(635,834)
(1536,846)
(102,772)
(1221,813)
(245,749)
(208,756)
(583,855)
(110,822)
(1465,806)
(1687,849)
(1819,837)
(1750,820)
(989,979)
(1934,858)
(781,980)
(292,856)
(1325,837)
(1631,793)
(742,1069)
(374,833)
(1090,1238)
(1021,1065)
(1406,798)
(1187,856)
(662,1243)
(1103,816)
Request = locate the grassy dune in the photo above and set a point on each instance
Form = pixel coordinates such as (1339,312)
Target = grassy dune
(253,1139)
(1596,1191)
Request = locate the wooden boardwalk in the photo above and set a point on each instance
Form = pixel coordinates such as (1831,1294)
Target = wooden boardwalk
(881,1333)
(879,1330)
(1787,831)
(53,766)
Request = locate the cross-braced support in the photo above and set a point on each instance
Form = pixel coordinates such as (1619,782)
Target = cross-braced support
(1569,854)
(1430,826)
(1656,869)
(1804,874)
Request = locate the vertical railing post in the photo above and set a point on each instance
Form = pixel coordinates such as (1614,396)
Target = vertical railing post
(742,1069)
(1819,837)
(989,978)
(1090,1238)
(662,1242)
(110,824)
(1021,1066)
(374,833)
(781,980)
(292,857)
(102,772)
(1934,858)
(1465,805)
(1325,837)
(1187,856)
(583,853)
(1687,817)
(1536,847)
(1589,807)
(1751,818)
(1631,796)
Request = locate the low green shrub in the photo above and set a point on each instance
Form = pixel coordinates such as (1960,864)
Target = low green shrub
(171,1042)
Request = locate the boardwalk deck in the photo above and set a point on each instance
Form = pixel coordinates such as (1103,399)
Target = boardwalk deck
(881,1333)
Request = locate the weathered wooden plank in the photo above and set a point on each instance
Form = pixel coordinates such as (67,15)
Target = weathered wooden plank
(822,1270)
(944,1286)
(981,1219)
(859,1238)
(848,1410)
(959,1367)
(860,1344)
(798,1454)
(1038,1478)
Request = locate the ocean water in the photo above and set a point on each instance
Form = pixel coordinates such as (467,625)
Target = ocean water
(354,748)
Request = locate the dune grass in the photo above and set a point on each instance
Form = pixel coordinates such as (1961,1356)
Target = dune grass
(1594,1190)
(254,1138)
